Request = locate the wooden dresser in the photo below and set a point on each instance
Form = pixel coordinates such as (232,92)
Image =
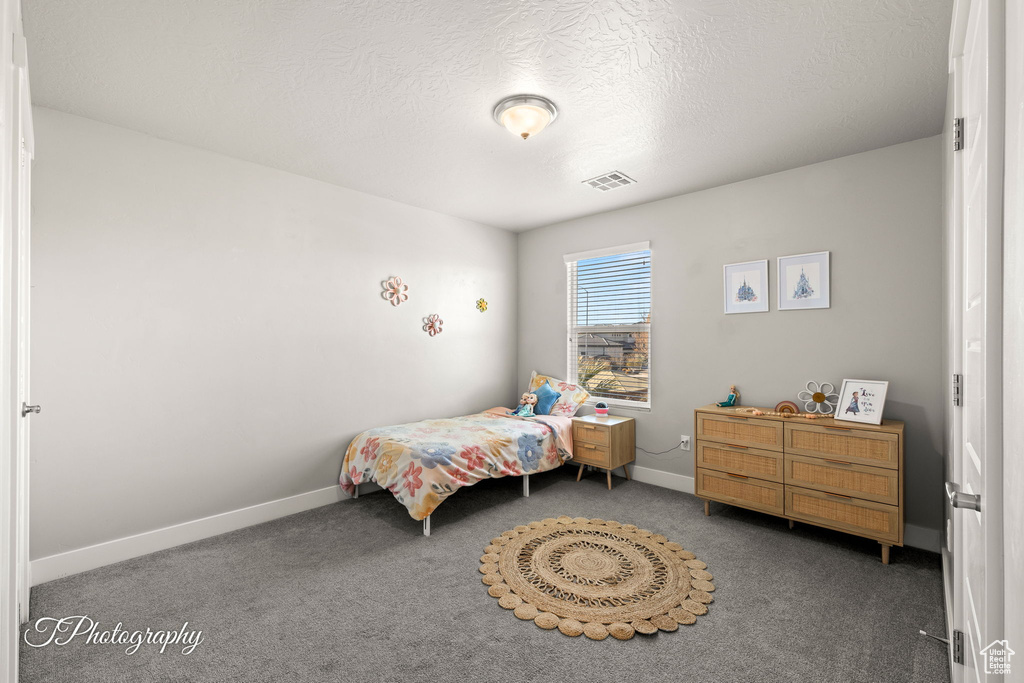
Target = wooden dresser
(841,475)
(606,442)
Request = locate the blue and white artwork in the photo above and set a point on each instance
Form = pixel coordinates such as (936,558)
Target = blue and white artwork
(804,281)
(746,287)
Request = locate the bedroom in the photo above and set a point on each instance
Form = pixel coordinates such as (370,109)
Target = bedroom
(220,192)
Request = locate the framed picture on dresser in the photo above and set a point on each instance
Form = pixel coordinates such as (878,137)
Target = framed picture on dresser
(862,400)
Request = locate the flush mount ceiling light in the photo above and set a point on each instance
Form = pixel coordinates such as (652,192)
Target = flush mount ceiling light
(525,115)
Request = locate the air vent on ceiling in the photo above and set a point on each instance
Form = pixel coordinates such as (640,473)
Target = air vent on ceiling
(610,181)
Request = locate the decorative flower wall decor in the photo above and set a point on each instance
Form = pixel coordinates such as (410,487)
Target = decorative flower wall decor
(395,290)
(481,305)
(819,398)
(432,324)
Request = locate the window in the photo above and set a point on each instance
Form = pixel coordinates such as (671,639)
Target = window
(610,323)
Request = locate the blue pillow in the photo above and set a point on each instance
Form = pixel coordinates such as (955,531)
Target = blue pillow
(546,397)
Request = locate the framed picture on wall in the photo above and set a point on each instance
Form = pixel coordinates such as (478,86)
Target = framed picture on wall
(862,400)
(804,281)
(746,287)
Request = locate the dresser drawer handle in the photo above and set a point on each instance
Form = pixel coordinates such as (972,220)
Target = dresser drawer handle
(738,476)
(840,429)
(734,417)
(838,462)
(837,495)
(732,445)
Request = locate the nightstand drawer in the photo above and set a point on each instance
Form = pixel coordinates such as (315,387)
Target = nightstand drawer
(849,444)
(860,481)
(861,517)
(593,434)
(742,431)
(756,494)
(740,460)
(589,454)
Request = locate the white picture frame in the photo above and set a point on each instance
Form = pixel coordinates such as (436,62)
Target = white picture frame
(804,281)
(745,287)
(862,400)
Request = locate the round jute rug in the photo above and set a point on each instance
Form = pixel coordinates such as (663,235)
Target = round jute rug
(596,578)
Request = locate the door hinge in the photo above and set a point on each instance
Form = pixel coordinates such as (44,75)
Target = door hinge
(958,381)
(958,647)
(958,134)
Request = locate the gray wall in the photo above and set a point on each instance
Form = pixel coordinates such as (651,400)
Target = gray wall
(879,213)
(209,334)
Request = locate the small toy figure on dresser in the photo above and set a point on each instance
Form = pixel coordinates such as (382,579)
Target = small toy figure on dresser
(526,404)
(734,398)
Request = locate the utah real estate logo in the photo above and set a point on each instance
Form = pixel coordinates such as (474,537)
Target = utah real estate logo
(997,657)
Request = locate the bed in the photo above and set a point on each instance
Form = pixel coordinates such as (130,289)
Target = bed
(423,463)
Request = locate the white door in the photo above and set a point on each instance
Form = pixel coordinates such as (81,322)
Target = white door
(22,209)
(977,466)
(15,169)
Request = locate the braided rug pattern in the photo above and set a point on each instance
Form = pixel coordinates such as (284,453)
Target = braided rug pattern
(595,577)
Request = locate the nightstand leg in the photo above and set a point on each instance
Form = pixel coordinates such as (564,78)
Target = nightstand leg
(792,524)
(609,479)
(707,508)
(625,468)
(580,473)
(885,554)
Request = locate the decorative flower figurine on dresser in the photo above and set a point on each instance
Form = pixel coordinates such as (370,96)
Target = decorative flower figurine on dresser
(819,398)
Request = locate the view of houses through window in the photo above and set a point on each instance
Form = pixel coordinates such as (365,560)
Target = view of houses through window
(610,326)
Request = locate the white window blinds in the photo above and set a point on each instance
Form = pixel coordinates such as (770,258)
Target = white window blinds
(609,304)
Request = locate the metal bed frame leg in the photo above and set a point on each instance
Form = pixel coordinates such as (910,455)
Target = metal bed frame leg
(355,494)
(426,525)
(526,485)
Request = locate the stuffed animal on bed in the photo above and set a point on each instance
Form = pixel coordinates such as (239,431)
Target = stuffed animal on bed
(526,404)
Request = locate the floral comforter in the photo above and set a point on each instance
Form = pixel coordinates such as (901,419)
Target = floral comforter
(422,463)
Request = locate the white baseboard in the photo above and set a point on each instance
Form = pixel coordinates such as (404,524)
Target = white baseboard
(922,537)
(676,482)
(83,559)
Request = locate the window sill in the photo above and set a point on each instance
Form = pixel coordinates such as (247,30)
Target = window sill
(637,407)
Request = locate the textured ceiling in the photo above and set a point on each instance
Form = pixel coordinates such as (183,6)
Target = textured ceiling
(394,97)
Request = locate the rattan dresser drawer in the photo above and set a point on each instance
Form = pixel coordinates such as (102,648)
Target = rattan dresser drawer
(879,484)
(741,431)
(590,433)
(861,517)
(880,449)
(589,454)
(756,494)
(752,462)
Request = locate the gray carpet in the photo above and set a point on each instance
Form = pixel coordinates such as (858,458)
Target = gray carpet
(354,592)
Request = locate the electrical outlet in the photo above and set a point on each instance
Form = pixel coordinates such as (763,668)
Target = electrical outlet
(684,444)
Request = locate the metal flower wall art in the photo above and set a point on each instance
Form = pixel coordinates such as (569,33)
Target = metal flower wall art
(432,324)
(481,305)
(395,290)
(819,398)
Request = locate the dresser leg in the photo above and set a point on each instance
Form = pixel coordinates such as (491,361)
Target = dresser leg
(609,479)
(885,554)
(707,508)
(792,524)
(580,473)
(625,468)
